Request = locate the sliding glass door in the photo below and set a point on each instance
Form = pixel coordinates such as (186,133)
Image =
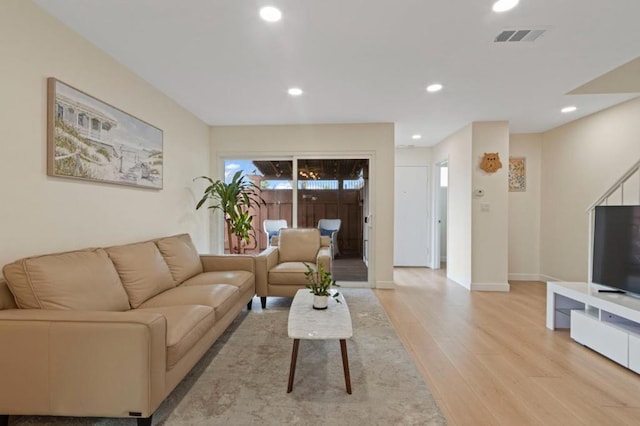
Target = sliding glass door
(326,193)
(331,196)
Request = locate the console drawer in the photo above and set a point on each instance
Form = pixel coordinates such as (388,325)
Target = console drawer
(600,336)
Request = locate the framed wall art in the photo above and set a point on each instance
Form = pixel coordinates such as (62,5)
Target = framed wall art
(517,174)
(92,140)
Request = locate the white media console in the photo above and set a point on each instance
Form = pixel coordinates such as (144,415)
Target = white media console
(608,323)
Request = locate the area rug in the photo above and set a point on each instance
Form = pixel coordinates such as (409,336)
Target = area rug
(242,380)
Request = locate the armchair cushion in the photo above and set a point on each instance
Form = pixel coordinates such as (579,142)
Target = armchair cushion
(289,273)
(77,280)
(298,245)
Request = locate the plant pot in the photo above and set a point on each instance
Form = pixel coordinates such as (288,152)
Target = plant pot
(320,302)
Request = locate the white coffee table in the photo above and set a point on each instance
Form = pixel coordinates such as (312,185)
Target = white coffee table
(311,324)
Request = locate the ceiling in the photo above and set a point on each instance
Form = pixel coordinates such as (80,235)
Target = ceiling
(368,60)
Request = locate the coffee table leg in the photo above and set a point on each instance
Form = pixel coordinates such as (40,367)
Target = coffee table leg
(345,364)
(292,369)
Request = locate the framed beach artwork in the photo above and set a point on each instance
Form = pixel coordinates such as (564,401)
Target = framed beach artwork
(517,174)
(92,140)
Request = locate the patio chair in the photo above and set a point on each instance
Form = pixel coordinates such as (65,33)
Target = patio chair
(272,227)
(330,228)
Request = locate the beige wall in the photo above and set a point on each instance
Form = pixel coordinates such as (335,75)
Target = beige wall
(580,161)
(375,140)
(524,210)
(39,214)
(490,243)
(477,241)
(456,149)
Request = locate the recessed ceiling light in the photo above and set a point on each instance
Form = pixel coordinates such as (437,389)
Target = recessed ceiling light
(416,137)
(295,91)
(504,5)
(436,87)
(270,14)
(568,109)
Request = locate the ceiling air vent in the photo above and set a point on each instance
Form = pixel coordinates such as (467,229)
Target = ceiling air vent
(519,35)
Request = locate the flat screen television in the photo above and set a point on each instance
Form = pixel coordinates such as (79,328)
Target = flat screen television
(616,248)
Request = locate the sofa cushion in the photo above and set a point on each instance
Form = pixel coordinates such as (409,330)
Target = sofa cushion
(221,297)
(298,245)
(186,325)
(242,279)
(181,256)
(76,280)
(289,273)
(142,270)
(7,301)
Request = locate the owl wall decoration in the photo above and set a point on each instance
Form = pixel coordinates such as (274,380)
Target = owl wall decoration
(491,162)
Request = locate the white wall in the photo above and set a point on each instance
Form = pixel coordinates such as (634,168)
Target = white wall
(490,242)
(580,161)
(40,214)
(375,140)
(524,210)
(418,156)
(456,149)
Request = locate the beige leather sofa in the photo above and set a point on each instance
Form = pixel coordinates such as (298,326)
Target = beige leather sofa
(280,268)
(110,332)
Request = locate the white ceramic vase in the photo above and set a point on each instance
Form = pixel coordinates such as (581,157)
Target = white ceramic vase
(320,302)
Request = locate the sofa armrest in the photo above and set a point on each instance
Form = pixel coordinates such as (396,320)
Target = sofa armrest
(324,258)
(81,363)
(264,262)
(228,262)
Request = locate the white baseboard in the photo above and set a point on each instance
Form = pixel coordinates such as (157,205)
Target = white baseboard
(354,284)
(386,285)
(461,284)
(545,278)
(524,277)
(490,287)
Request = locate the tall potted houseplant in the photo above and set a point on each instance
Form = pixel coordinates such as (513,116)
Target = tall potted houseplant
(235,200)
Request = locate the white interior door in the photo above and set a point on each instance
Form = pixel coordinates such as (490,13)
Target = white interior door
(411,239)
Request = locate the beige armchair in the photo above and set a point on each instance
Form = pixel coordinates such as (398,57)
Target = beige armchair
(280,268)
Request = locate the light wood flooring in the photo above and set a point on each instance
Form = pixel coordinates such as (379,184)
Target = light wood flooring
(489,359)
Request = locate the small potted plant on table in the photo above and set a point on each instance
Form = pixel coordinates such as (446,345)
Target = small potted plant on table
(320,283)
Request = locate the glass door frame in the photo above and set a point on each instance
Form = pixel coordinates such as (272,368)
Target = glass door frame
(218,225)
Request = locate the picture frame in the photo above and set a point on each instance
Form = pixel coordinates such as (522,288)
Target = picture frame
(91,140)
(517,174)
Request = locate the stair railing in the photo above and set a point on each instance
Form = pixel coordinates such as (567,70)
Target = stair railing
(633,172)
